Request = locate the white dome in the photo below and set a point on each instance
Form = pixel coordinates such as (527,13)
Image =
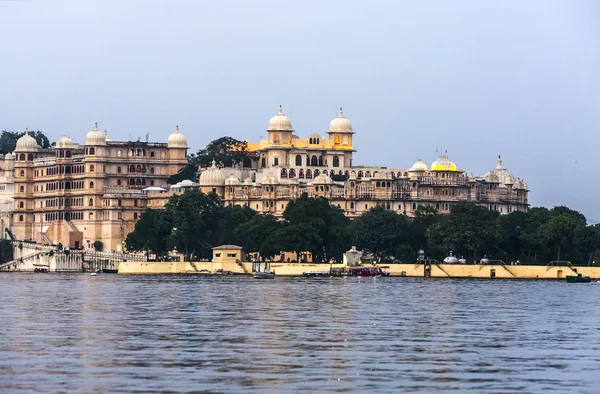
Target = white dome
(27,143)
(64,142)
(322,179)
(280,122)
(502,173)
(9,156)
(340,124)
(232,181)
(269,180)
(509,180)
(247,181)
(419,166)
(491,177)
(177,140)
(213,176)
(95,136)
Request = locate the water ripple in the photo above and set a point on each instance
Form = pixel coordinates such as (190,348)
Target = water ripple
(109,333)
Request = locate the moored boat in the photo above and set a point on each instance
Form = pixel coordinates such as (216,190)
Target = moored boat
(368,271)
(578,279)
(264,275)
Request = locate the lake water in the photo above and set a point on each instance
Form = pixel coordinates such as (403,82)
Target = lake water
(111,333)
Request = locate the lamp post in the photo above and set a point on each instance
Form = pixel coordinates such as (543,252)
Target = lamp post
(421,253)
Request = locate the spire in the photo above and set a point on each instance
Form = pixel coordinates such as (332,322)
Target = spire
(499,166)
(95,125)
(280,112)
(105,133)
(26,130)
(177,128)
(214,163)
(341,114)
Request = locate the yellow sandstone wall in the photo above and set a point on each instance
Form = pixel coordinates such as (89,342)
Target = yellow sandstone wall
(413,270)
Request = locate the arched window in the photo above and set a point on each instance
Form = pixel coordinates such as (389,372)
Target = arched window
(20,218)
(61,153)
(308,174)
(91,185)
(132,182)
(320,161)
(292,173)
(151,170)
(22,189)
(21,205)
(314,161)
(310,141)
(336,161)
(317,172)
(68,153)
(143,182)
(301,174)
(22,173)
(283,173)
(22,157)
(67,185)
(263,162)
(138,168)
(406,174)
(67,169)
(143,169)
(132,168)
(139,152)
(119,170)
(118,182)
(151,183)
(118,153)
(30,156)
(151,154)
(360,174)
(92,151)
(307,160)
(368,174)
(298,160)
(91,202)
(92,168)
(347,173)
(138,182)
(351,205)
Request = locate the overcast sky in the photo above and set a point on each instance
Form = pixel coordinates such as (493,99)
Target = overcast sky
(478,78)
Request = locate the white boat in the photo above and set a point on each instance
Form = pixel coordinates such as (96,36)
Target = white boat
(93,274)
(264,275)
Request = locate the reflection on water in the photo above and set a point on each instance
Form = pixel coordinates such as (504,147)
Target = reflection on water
(184,333)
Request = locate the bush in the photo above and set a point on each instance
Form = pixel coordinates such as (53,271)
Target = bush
(98,245)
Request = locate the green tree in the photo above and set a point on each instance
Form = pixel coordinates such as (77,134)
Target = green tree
(381,232)
(261,234)
(195,223)
(317,227)
(231,218)
(98,246)
(8,140)
(558,233)
(469,230)
(151,233)
(225,150)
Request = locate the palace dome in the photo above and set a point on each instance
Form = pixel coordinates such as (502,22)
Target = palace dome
(491,177)
(64,142)
(280,122)
(419,166)
(504,176)
(232,181)
(212,176)
(177,140)
(9,156)
(443,163)
(26,143)
(95,136)
(248,181)
(340,124)
(322,179)
(269,179)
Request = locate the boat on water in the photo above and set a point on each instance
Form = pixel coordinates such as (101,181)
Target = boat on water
(264,275)
(93,274)
(368,271)
(578,279)
(335,272)
(109,271)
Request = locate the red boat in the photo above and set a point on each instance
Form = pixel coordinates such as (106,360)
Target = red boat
(368,271)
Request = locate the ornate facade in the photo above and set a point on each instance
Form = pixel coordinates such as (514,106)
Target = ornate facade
(76,194)
(285,166)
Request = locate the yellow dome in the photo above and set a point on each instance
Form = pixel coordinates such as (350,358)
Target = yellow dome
(280,122)
(443,164)
(340,124)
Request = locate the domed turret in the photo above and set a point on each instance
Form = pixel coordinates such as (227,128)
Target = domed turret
(418,166)
(340,124)
(248,182)
(26,143)
(232,181)
(213,176)
(177,140)
(95,136)
(269,179)
(9,157)
(64,142)
(443,163)
(280,122)
(322,179)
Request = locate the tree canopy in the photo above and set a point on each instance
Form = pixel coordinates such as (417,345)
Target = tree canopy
(8,140)
(225,150)
(194,223)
